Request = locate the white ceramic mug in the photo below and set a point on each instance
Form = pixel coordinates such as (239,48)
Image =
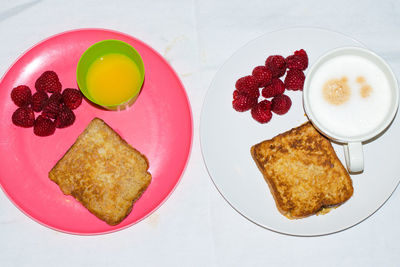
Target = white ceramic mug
(353,143)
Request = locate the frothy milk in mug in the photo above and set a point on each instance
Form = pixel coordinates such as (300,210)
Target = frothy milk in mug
(349,95)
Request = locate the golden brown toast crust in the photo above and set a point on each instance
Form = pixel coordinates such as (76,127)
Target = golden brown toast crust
(103,172)
(303,172)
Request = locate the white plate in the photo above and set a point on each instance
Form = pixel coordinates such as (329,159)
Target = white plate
(227,135)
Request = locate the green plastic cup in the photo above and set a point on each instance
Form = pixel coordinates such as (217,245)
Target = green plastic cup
(98,50)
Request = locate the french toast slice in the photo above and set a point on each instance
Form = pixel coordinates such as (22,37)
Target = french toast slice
(303,172)
(103,172)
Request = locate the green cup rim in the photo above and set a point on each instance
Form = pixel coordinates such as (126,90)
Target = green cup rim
(139,63)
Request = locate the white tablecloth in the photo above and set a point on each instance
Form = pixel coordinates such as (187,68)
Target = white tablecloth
(196,226)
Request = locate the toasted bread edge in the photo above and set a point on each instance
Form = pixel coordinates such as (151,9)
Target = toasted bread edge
(272,188)
(142,190)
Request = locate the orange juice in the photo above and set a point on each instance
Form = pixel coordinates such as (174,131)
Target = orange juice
(113,79)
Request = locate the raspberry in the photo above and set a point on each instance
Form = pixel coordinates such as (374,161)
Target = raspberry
(302,53)
(253,93)
(281,104)
(57,97)
(242,102)
(39,100)
(48,82)
(52,106)
(72,98)
(238,94)
(23,117)
(262,75)
(262,111)
(43,126)
(297,61)
(65,118)
(277,65)
(294,80)
(21,96)
(246,83)
(277,87)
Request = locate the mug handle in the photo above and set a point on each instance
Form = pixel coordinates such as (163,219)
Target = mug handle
(354,156)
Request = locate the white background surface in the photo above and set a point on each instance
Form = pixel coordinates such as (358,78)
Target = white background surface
(195,226)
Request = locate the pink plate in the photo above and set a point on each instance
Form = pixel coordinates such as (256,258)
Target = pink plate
(159,124)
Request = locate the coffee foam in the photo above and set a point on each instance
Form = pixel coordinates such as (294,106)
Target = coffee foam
(368,102)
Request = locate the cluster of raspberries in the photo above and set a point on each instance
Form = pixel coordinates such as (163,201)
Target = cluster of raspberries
(54,104)
(267,77)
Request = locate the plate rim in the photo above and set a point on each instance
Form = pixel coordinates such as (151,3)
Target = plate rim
(189,150)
